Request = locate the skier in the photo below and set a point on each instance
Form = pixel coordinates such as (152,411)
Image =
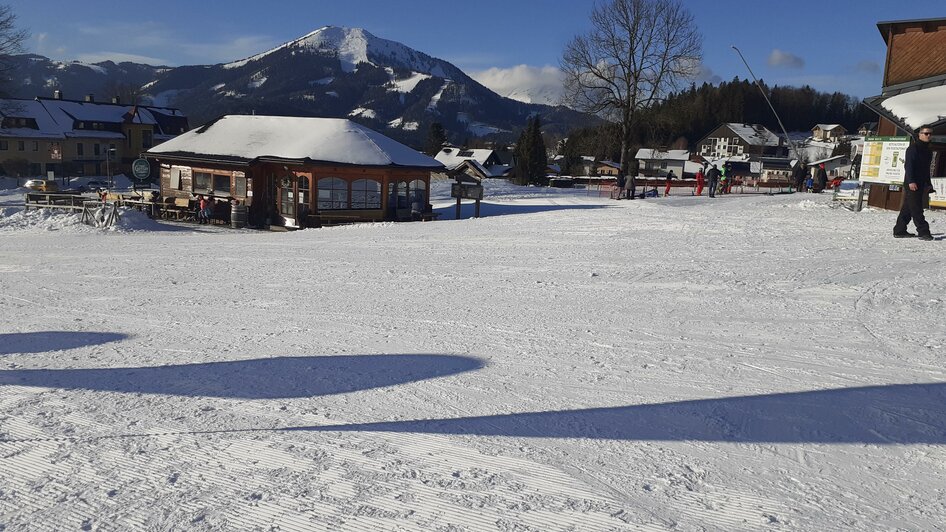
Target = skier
(916,186)
(699,181)
(822,178)
(670,178)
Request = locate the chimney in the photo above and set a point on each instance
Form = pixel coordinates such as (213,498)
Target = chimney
(90,98)
(117,100)
(57,94)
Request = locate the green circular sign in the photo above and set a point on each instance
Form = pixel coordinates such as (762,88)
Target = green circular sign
(141,169)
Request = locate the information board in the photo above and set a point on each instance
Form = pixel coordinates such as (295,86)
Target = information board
(882,160)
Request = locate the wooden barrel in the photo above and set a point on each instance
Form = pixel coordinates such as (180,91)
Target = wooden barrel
(238,216)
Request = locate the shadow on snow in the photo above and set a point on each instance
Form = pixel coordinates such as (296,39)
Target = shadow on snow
(43,341)
(270,378)
(897,414)
(503,209)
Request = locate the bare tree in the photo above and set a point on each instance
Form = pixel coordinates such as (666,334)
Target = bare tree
(636,53)
(11,39)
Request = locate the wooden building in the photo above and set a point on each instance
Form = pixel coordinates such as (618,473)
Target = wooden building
(298,172)
(828,132)
(913,94)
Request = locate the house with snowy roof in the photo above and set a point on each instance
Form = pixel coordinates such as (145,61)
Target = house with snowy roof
(735,139)
(297,172)
(659,163)
(72,137)
(828,132)
(451,157)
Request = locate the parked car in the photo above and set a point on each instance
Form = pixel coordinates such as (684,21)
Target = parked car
(94,186)
(42,185)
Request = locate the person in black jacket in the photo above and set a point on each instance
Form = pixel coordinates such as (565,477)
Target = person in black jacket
(712,178)
(916,185)
(821,178)
(798,173)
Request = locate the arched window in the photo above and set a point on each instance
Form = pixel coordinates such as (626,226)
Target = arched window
(333,194)
(366,194)
(417,194)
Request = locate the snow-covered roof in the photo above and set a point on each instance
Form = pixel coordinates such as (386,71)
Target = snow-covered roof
(671,155)
(611,164)
(331,140)
(919,107)
(451,156)
(827,127)
(754,134)
(57,119)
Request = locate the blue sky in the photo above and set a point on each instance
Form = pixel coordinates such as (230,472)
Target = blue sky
(828,44)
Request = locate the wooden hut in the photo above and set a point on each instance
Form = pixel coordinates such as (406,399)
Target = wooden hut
(297,172)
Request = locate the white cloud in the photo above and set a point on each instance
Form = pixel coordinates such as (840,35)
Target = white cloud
(700,73)
(780,58)
(525,83)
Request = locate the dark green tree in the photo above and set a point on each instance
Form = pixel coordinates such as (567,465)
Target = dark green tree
(436,136)
(531,157)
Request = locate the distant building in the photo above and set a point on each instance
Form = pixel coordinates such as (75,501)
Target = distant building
(71,137)
(828,132)
(734,139)
(492,160)
(607,168)
(836,166)
(867,128)
(297,172)
(657,163)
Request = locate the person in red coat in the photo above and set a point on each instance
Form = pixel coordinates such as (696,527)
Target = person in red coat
(699,182)
(670,177)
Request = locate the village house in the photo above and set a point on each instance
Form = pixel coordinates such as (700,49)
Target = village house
(734,139)
(867,129)
(70,137)
(492,160)
(607,168)
(297,172)
(657,163)
(913,95)
(836,166)
(828,132)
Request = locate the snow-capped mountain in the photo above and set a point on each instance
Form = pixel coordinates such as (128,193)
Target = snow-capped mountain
(341,72)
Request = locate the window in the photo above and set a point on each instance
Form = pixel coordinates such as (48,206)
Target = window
(4,145)
(333,194)
(366,194)
(202,181)
(176,178)
(221,184)
(147,139)
(80,149)
(35,145)
(239,187)
(21,145)
(97,149)
(465,153)
(417,192)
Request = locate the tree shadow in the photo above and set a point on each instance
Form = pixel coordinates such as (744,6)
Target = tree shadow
(43,341)
(882,415)
(505,209)
(269,378)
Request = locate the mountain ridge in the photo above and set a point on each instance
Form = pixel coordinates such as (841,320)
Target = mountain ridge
(332,72)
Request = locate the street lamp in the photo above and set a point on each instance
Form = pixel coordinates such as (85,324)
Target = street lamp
(108,157)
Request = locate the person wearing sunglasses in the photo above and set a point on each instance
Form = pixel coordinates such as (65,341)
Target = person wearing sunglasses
(916,186)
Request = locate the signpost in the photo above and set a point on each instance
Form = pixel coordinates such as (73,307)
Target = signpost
(467,191)
(140,170)
(882,163)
